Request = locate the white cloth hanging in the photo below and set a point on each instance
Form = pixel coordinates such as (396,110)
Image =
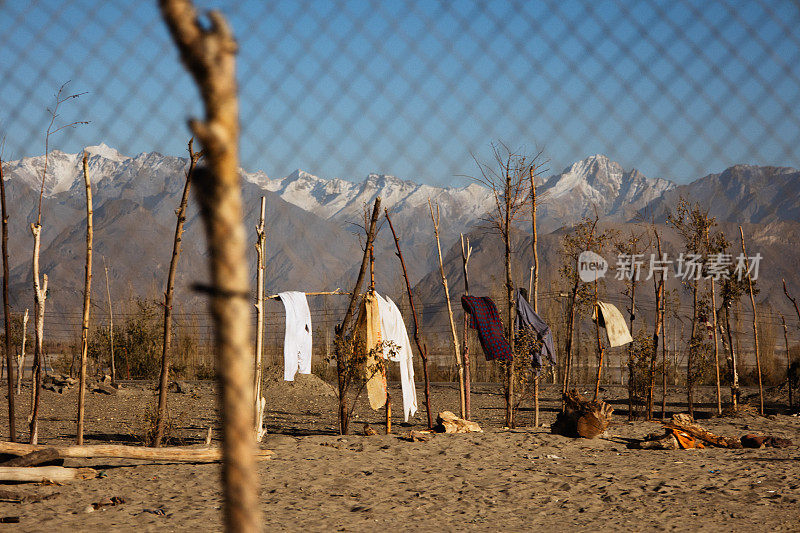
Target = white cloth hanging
(393,329)
(611,319)
(297,340)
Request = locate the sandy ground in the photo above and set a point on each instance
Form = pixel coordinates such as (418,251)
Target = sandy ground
(520,479)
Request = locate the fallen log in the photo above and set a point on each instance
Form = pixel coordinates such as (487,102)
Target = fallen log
(38,457)
(195,455)
(38,474)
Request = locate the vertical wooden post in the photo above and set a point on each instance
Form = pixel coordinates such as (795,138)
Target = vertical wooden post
(533,289)
(169,292)
(86,301)
(12,423)
(755,326)
(423,352)
(734,364)
(657,330)
(599,343)
(261,242)
(664,354)
(714,323)
(457,352)
(788,361)
(40,294)
(466,252)
(110,327)
(208,52)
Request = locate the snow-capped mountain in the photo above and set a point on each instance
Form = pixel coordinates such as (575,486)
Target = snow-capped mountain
(597,183)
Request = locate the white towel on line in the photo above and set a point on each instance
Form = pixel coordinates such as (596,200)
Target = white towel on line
(297,340)
(393,329)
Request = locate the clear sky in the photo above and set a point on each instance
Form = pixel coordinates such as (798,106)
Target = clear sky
(677,89)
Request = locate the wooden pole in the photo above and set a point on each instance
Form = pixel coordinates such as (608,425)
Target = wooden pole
(714,324)
(423,352)
(788,361)
(86,301)
(664,353)
(21,356)
(388,417)
(533,289)
(599,344)
(755,326)
(208,52)
(456,351)
(466,252)
(734,365)
(657,330)
(169,292)
(261,243)
(110,326)
(12,424)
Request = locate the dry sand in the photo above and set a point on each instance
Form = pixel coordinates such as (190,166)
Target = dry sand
(521,479)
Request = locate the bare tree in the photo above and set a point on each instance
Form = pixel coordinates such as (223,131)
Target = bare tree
(506,176)
(755,326)
(87,288)
(208,52)
(12,424)
(163,384)
(40,285)
(692,223)
(21,356)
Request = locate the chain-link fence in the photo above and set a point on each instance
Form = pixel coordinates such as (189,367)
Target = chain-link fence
(674,89)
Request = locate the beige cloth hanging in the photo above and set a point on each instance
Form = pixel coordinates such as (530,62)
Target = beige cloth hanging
(615,326)
(369,327)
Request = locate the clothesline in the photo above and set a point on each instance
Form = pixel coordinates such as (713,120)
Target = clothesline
(336,292)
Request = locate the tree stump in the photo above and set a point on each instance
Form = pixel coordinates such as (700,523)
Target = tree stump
(581,417)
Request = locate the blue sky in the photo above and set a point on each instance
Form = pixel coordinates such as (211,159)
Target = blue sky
(676,89)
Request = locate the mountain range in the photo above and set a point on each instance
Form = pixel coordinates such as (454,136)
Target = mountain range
(311,223)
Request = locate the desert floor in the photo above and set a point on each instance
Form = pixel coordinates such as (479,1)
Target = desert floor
(521,479)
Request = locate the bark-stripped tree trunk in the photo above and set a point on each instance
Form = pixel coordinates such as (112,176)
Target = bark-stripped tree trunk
(690,355)
(423,350)
(732,363)
(110,328)
(508,197)
(755,326)
(261,243)
(208,52)
(87,288)
(21,356)
(40,294)
(163,383)
(12,424)
(664,354)
(456,351)
(466,252)
(343,330)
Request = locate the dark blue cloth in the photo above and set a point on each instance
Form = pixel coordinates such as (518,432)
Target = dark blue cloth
(528,319)
(485,318)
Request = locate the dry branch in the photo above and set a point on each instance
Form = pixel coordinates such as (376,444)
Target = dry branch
(423,351)
(161,411)
(208,52)
(456,351)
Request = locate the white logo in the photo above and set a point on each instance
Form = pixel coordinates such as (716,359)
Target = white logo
(591,266)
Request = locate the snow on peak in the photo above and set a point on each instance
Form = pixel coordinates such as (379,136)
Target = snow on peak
(106,152)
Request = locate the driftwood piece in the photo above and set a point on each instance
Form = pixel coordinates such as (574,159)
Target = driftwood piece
(196,455)
(581,417)
(38,474)
(448,422)
(38,457)
(685,423)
